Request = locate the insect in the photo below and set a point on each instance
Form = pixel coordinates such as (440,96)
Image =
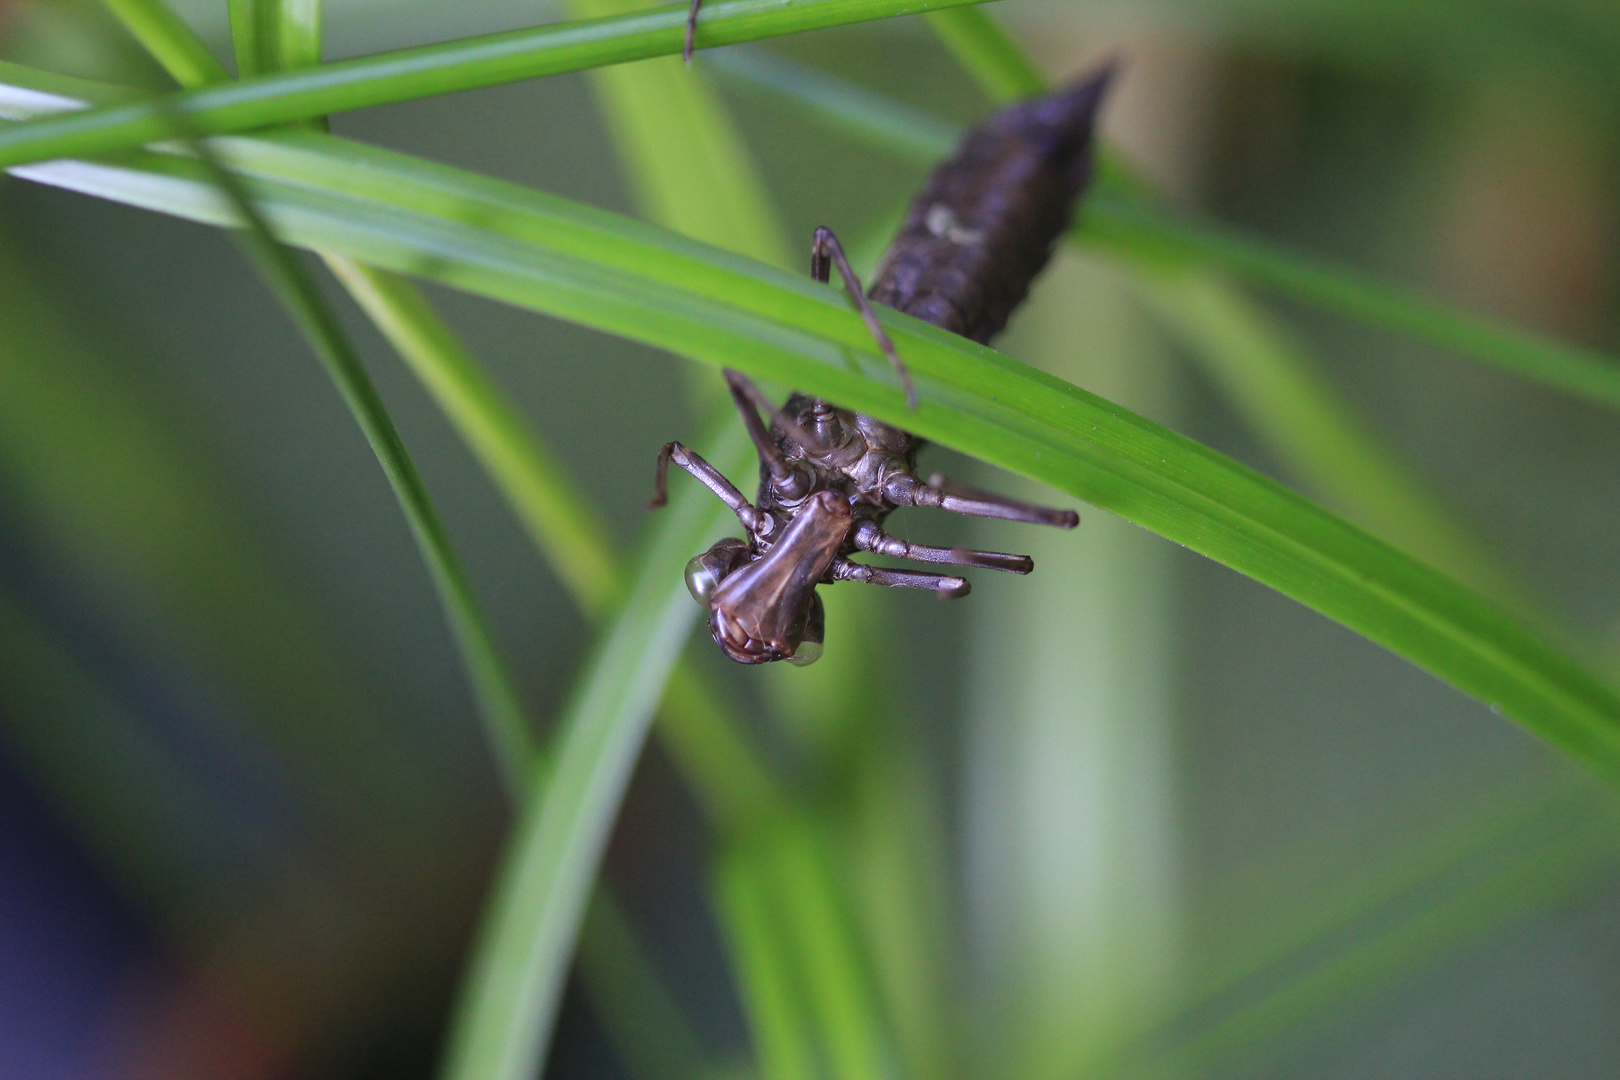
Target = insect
(980,230)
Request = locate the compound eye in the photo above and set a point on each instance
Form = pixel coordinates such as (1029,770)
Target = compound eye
(701,580)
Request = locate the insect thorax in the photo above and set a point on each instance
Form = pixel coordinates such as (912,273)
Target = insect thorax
(860,455)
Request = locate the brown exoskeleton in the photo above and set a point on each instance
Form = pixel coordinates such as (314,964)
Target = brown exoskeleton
(978,233)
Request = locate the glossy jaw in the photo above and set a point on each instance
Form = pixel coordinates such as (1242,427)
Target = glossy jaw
(768,610)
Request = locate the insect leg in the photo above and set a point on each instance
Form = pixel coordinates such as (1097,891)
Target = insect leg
(825,253)
(743,385)
(947,586)
(691,30)
(869,537)
(711,478)
(792,482)
(906,490)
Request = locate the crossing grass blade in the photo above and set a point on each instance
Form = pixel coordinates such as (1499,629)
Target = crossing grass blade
(623,277)
(683,157)
(1272,382)
(706,742)
(502,1025)
(189,62)
(268,36)
(1542,852)
(647,1026)
(408,74)
(986,52)
(292,27)
(557,518)
(498,702)
(692,174)
(805,904)
(1159,238)
(170,41)
(777,1016)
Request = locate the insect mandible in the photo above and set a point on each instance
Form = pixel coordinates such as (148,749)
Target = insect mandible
(979,232)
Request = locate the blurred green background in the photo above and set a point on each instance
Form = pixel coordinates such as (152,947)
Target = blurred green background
(1133,816)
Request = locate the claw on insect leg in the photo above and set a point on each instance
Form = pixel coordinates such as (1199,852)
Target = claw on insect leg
(691,30)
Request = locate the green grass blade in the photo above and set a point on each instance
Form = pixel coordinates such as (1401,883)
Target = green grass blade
(1122,220)
(809,906)
(996,62)
(853,111)
(1535,857)
(1273,384)
(647,1027)
(726,774)
(623,277)
(298,37)
(499,706)
(900,875)
(777,1018)
(645,1024)
(693,175)
(611,959)
(408,74)
(563,527)
(731,783)
(706,742)
(1267,378)
(27,92)
(250,39)
(684,159)
(1125,224)
(503,1022)
(170,41)
(268,36)
(492,687)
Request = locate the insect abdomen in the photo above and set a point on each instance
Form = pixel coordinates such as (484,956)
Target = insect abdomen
(985,223)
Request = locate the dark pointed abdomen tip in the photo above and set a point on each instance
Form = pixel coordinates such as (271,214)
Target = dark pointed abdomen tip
(1073,108)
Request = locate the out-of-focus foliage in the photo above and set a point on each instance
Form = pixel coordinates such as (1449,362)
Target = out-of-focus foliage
(1134,815)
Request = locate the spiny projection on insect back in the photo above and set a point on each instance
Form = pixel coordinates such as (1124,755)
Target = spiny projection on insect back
(977,235)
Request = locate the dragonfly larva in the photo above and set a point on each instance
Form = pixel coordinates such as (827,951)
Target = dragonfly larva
(980,230)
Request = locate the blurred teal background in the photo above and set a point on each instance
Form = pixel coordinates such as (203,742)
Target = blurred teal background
(1172,823)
